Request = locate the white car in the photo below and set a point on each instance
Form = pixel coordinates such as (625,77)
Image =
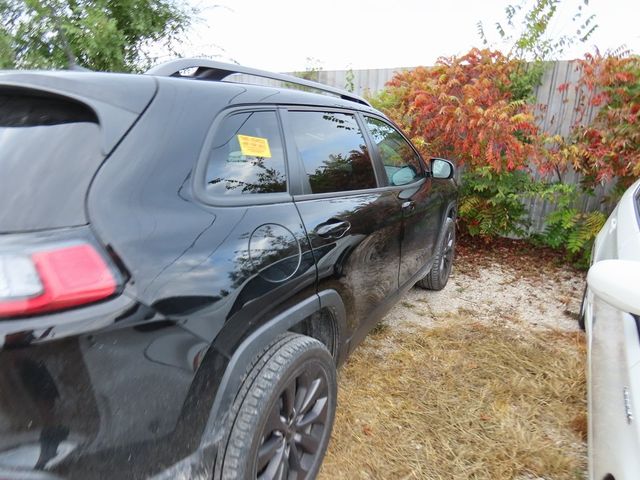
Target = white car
(611,315)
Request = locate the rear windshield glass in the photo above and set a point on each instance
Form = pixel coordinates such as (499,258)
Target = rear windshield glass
(49,152)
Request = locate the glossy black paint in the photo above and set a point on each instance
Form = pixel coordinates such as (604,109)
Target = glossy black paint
(126,388)
(370,249)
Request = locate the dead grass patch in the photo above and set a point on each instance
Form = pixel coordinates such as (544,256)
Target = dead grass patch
(461,401)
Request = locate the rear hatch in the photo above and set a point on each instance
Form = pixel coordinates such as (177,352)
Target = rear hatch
(56,128)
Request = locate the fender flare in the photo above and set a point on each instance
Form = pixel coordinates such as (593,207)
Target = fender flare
(452,208)
(243,356)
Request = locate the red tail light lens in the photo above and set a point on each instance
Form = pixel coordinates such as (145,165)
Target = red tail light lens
(53,279)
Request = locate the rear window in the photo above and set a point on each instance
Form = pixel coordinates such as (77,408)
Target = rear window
(247,156)
(49,152)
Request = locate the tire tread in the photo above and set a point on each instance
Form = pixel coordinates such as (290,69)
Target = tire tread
(255,392)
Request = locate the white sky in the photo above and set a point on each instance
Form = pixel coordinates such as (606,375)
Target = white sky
(281,35)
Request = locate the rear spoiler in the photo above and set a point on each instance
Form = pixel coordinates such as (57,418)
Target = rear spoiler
(117,99)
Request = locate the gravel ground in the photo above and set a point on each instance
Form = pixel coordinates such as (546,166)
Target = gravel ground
(531,293)
(498,292)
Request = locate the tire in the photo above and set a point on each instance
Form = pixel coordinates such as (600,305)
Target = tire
(281,420)
(583,308)
(438,276)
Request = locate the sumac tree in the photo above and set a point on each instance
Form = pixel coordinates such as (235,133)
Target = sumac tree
(609,145)
(463,108)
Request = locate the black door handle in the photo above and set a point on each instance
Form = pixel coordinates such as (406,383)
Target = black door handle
(333,228)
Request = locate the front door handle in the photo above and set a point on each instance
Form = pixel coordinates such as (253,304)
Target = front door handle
(408,206)
(333,228)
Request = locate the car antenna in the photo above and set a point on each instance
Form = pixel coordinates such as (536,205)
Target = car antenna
(72,64)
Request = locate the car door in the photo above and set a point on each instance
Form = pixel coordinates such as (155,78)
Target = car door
(353,224)
(415,193)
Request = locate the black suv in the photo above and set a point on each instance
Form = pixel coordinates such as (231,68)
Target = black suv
(184,261)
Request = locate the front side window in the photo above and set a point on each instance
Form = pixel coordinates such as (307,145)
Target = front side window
(247,156)
(333,151)
(400,160)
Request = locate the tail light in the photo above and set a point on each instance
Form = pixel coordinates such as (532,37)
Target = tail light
(52,278)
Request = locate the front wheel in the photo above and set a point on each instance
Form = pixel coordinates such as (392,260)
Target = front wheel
(438,276)
(583,310)
(283,414)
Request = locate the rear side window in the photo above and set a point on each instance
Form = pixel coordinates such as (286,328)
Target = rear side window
(247,156)
(401,163)
(333,151)
(49,152)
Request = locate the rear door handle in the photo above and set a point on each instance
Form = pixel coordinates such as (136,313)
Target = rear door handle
(333,228)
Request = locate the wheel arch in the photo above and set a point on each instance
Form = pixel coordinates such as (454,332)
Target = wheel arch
(450,212)
(326,306)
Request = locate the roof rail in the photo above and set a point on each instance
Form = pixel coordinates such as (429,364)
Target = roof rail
(211,70)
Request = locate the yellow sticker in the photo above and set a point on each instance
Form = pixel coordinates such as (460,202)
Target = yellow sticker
(254,146)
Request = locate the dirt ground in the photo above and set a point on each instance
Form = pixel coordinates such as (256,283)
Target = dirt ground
(482,380)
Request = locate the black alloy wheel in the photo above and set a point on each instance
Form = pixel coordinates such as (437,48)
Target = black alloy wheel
(440,271)
(283,415)
(446,259)
(293,433)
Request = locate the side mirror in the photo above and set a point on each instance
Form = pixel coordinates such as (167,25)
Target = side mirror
(442,168)
(617,282)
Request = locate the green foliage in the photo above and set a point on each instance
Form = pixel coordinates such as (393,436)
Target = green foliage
(349,80)
(107,35)
(7,56)
(386,99)
(527,28)
(492,204)
(495,205)
(525,79)
(568,228)
(574,232)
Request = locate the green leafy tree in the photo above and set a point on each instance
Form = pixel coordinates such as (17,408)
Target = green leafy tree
(107,35)
(528,28)
(350,80)
(528,34)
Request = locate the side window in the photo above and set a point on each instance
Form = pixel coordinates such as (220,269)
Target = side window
(401,162)
(333,151)
(247,156)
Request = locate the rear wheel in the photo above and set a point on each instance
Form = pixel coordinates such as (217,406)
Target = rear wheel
(438,276)
(284,412)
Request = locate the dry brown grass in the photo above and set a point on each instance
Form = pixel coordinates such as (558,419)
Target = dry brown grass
(461,401)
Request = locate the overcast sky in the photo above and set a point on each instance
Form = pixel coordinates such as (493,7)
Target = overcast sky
(281,35)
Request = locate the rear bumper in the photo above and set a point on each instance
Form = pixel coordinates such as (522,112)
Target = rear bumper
(99,392)
(45,328)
